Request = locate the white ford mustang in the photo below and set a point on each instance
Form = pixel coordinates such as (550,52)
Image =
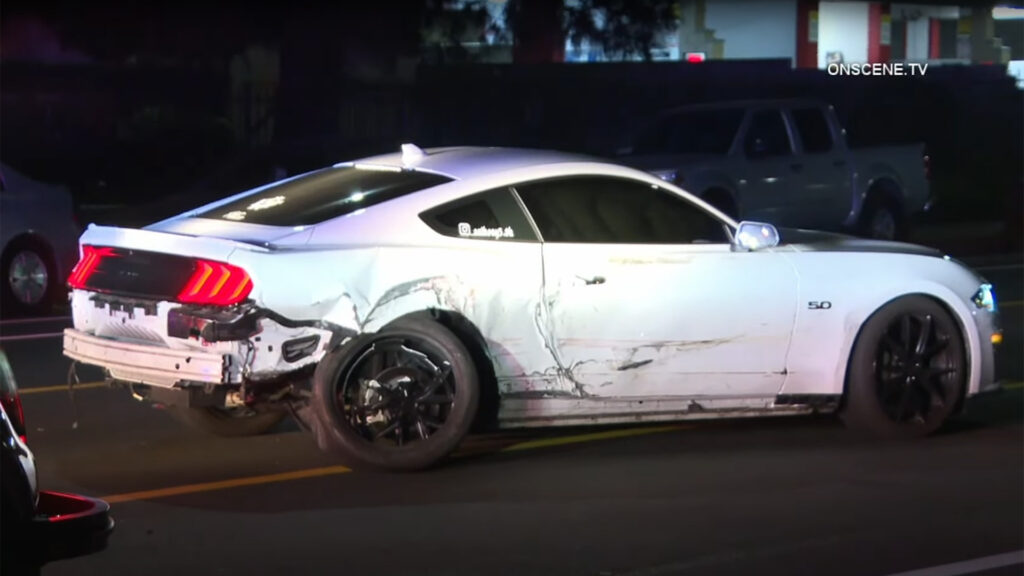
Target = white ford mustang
(393,302)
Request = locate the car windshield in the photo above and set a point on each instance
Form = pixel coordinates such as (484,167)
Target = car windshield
(322,195)
(690,132)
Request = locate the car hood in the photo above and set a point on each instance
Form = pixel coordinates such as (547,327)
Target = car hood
(816,241)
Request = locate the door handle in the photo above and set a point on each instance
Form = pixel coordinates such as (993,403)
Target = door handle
(592,281)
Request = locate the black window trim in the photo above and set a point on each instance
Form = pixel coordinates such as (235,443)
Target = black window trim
(795,129)
(529,216)
(783,113)
(466,198)
(730,232)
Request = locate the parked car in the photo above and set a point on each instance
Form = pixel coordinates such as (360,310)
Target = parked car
(38,243)
(786,162)
(39,526)
(422,292)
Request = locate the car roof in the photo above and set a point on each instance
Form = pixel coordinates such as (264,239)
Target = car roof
(468,162)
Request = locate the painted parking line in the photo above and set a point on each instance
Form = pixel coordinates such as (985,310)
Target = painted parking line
(225,484)
(1011,304)
(38,320)
(30,337)
(336,470)
(606,435)
(970,566)
(1013,385)
(61,388)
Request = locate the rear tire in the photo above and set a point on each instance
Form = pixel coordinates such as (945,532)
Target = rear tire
(907,371)
(229,423)
(401,399)
(29,279)
(882,219)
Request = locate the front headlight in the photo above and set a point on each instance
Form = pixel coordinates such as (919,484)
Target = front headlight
(985,298)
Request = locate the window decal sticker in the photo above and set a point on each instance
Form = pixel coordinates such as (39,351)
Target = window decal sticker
(467,231)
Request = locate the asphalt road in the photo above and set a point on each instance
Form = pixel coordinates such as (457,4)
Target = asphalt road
(778,496)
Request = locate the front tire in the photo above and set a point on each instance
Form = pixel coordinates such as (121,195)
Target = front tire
(229,423)
(401,399)
(907,371)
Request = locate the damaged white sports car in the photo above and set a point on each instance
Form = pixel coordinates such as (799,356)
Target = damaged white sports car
(394,302)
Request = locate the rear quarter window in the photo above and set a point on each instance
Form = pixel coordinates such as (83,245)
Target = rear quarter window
(323,195)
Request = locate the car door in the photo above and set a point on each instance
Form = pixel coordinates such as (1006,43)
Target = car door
(498,256)
(645,298)
(825,179)
(770,175)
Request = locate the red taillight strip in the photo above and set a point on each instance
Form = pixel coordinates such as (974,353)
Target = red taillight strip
(217,284)
(91,257)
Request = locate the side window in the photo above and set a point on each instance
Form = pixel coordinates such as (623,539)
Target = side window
(607,210)
(767,136)
(493,215)
(813,129)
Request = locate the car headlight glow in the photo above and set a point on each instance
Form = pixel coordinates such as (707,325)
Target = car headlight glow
(985,298)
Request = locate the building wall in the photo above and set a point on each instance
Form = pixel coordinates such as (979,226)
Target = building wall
(918,31)
(754,29)
(843,27)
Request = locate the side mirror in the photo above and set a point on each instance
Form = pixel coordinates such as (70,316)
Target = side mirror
(751,236)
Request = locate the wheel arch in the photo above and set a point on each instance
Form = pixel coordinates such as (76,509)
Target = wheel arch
(886,188)
(30,236)
(473,339)
(942,296)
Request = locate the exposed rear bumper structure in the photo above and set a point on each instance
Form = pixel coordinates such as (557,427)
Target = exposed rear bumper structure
(149,364)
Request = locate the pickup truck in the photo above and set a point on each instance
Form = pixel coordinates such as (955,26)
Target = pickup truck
(786,162)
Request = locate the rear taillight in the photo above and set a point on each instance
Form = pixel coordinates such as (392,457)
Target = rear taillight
(91,256)
(12,406)
(927,161)
(216,284)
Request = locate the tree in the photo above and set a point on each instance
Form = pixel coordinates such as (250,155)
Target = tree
(622,28)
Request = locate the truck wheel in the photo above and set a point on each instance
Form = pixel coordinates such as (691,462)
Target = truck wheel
(882,220)
(29,277)
(401,399)
(229,423)
(907,371)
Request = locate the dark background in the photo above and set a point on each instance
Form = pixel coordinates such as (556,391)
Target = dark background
(132,104)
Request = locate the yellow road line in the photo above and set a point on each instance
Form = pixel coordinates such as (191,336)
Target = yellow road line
(62,388)
(335,470)
(563,440)
(1013,385)
(1012,304)
(224,484)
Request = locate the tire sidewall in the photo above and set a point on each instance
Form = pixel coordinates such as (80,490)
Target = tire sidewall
(334,431)
(877,205)
(9,300)
(862,409)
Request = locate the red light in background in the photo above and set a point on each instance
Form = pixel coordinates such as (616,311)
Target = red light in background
(694,57)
